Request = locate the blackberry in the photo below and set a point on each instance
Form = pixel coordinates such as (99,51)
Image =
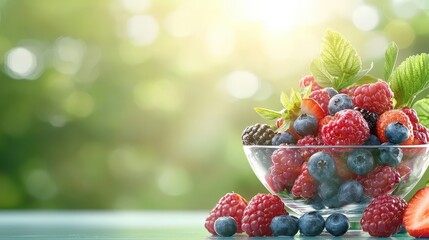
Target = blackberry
(258,134)
(370,117)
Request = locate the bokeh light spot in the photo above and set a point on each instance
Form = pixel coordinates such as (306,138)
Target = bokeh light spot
(79,104)
(405,8)
(142,29)
(40,185)
(21,63)
(220,42)
(135,6)
(68,55)
(366,18)
(400,32)
(242,84)
(174,181)
(375,47)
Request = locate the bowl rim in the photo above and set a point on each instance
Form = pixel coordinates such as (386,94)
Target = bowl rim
(337,146)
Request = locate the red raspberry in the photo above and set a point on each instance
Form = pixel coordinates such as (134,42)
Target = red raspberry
(421,134)
(286,172)
(412,115)
(379,181)
(374,97)
(394,116)
(325,120)
(383,216)
(349,91)
(309,140)
(322,98)
(403,170)
(305,186)
(307,80)
(233,205)
(258,214)
(347,128)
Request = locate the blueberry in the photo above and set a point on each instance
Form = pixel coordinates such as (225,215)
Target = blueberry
(397,133)
(284,225)
(391,156)
(311,224)
(321,166)
(328,189)
(284,137)
(337,224)
(332,92)
(372,140)
(350,191)
(332,202)
(305,124)
(360,161)
(339,102)
(225,226)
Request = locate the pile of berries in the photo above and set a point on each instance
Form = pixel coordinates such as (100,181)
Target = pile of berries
(265,215)
(333,177)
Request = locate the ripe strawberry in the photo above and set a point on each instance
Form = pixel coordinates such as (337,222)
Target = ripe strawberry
(307,80)
(374,97)
(380,181)
(233,205)
(415,217)
(258,214)
(347,128)
(383,216)
(322,97)
(309,106)
(390,117)
(309,140)
(305,186)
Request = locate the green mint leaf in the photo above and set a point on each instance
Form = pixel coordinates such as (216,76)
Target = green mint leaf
(338,63)
(267,113)
(390,59)
(422,109)
(409,79)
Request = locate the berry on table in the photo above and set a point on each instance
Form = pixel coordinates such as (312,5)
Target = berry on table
(305,125)
(415,216)
(374,97)
(360,161)
(232,205)
(321,166)
(257,134)
(260,211)
(347,128)
(225,226)
(339,102)
(394,116)
(390,155)
(285,225)
(337,224)
(379,181)
(311,224)
(397,133)
(383,216)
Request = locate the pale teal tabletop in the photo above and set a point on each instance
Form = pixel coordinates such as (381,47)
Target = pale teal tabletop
(119,225)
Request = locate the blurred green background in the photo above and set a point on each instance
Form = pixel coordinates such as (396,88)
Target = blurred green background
(140,104)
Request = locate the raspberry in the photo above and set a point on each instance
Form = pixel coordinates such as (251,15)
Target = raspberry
(412,114)
(394,116)
(421,134)
(257,134)
(370,117)
(347,128)
(380,181)
(307,80)
(322,98)
(383,216)
(325,121)
(305,186)
(374,97)
(258,214)
(309,140)
(349,91)
(287,164)
(404,171)
(233,205)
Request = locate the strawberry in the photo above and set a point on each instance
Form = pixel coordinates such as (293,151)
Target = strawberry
(394,116)
(415,217)
(309,106)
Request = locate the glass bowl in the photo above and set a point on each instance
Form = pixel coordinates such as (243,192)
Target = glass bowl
(279,167)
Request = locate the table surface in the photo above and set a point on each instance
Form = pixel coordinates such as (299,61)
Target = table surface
(119,225)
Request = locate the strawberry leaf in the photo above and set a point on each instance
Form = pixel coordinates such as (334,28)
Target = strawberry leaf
(338,65)
(409,79)
(422,109)
(390,59)
(267,113)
